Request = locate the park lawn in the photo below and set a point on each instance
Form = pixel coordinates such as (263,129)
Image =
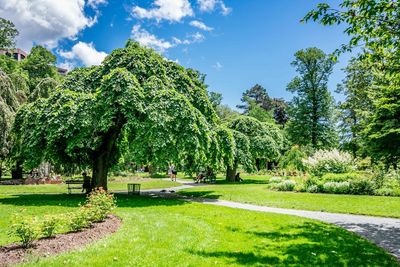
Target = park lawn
(167,232)
(258,194)
(119,185)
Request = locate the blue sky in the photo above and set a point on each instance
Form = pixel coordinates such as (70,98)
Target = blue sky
(251,41)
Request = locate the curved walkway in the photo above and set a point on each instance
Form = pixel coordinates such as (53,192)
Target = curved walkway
(385,232)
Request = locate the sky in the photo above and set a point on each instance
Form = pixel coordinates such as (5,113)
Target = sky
(236,43)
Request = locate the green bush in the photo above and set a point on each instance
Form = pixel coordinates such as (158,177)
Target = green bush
(292,160)
(99,204)
(79,220)
(336,187)
(313,189)
(341,177)
(274,180)
(384,191)
(361,186)
(287,185)
(49,226)
(25,229)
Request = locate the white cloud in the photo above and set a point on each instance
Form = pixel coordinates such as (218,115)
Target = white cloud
(211,5)
(147,39)
(67,65)
(217,66)
(200,25)
(85,52)
(171,10)
(46,21)
(95,3)
(197,37)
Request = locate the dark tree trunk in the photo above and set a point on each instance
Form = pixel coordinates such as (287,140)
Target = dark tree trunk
(258,164)
(16,172)
(231,172)
(103,155)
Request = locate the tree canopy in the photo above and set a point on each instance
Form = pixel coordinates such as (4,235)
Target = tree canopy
(8,32)
(136,101)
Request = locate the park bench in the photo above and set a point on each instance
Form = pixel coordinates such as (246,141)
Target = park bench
(72,184)
(133,189)
(211,179)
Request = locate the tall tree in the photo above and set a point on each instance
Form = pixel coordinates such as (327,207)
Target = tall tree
(257,97)
(215,98)
(357,106)
(136,102)
(311,110)
(8,32)
(39,64)
(374,26)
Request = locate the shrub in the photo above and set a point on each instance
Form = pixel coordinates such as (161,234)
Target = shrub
(79,220)
(384,192)
(287,185)
(25,228)
(341,177)
(49,226)
(313,189)
(324,161)
(361,186)
(99,204)
(292,160)
(336,187)
(274,180)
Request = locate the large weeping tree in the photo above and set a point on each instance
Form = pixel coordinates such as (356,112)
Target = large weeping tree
(255,143)
(136,102)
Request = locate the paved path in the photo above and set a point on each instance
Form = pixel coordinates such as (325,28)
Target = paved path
(384,232)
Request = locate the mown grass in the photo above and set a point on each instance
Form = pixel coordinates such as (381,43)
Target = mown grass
(117,185)
(254,190)
(162,232)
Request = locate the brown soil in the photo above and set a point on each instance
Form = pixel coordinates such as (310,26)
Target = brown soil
(14,253)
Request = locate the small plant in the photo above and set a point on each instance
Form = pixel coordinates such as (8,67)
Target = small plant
(49,226)
(287,185)
(25,228)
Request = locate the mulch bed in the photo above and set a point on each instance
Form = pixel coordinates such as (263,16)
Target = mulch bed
(14,253)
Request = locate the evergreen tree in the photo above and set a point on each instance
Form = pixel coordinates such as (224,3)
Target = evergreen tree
(311,110)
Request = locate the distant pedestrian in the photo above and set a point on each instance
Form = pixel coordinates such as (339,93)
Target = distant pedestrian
(172,172)
(86,186)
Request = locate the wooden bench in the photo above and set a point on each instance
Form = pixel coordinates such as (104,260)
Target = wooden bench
(211,179)
(72,185)
(133,189)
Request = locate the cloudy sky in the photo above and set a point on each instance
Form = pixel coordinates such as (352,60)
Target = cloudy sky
(236,43)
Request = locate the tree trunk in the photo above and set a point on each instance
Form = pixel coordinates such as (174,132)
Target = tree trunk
(1,169)
(231,172)
(100,171)
(16,172)
(103,155)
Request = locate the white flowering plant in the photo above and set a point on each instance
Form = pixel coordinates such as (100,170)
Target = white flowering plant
(329,161)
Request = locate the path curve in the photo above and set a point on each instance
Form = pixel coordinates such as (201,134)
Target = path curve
(385,232)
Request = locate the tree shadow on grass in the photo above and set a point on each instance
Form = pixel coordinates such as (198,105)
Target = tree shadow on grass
(200,194)
(245,181)
(306,244)
(73,200)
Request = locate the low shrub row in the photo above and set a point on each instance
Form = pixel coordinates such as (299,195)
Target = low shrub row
(97,207)
(355,183)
